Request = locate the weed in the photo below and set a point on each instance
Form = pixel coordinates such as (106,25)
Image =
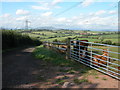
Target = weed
(65,77)
(60,81)
(71,72)
(104,78)
(77,81)
(96,77)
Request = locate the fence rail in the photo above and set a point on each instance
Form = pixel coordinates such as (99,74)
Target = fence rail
(54,45)
(89,54)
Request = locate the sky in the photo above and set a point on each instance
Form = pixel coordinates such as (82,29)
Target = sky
(60,14)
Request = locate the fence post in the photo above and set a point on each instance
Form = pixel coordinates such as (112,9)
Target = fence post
(79,51)
(68,49)
(91,55)
(108,60)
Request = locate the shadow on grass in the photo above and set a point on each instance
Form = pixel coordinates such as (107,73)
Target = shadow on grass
(58,59)
(65,66)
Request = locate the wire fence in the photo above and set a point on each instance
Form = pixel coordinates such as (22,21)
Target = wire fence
(56,45)
(101,57)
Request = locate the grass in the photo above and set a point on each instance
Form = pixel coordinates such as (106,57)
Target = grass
(91,72)
(59,81)
(113,49)
(57,59)
(65,77)
(63,70)
(71,71)
(104,79)
(96,77)
(12,39)
(77,81)
(89,39)
(50,56)
(61,35)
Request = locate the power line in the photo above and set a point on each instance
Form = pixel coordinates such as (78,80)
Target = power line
(78,3)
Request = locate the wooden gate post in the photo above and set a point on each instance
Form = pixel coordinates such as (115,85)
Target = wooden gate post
(68,49)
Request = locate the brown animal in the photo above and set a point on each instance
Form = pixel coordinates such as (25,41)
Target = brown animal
(62,46)
(83,46)
(79,49)
(102,57)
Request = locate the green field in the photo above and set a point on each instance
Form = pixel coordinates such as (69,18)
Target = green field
(113,37)
(91,36)
(60,35)
(113,49)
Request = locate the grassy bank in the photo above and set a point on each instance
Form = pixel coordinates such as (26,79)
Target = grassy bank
(57,59)
(12,39)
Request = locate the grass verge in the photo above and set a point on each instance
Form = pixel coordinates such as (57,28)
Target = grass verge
(57,59)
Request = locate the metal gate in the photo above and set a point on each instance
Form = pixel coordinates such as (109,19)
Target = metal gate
(97,56)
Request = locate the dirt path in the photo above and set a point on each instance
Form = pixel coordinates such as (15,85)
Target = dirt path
(21,70)
(18,67)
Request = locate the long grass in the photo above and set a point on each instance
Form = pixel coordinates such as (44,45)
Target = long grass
(12,39)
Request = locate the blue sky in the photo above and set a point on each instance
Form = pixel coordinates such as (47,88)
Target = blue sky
(89,14)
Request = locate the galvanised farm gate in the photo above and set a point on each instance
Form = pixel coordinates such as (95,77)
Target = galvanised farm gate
(95,55)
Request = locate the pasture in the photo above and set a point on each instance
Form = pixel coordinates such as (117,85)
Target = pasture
(113,49)
(61,35)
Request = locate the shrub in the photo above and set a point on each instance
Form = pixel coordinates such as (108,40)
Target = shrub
(107,42)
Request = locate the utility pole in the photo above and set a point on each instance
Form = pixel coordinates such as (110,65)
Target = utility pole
(26,24)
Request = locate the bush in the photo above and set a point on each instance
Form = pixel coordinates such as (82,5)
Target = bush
(107,42)
(12,39)
(55,40)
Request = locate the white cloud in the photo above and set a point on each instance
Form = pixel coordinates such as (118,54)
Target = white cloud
(91,13)
(12,0)
(112,12)
(22,12)
(40,7)
(83,21)
(21,18)
(5,15)
(100,12)
(47,14)
(47,5)
(56,1)
(87,2)
(61,19)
